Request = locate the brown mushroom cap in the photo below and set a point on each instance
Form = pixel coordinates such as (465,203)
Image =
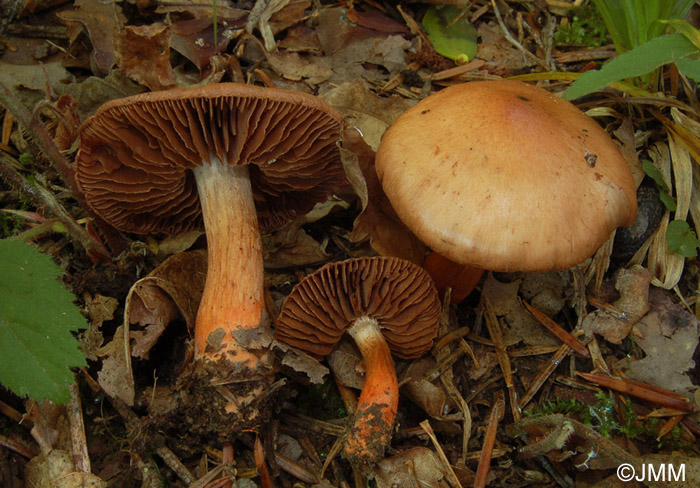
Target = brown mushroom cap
(396,293)
(135,153)
(505,176)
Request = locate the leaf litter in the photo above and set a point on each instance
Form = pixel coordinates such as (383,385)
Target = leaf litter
(370,61)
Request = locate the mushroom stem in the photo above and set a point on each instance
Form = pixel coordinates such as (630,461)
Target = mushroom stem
(233,293)
(377,406)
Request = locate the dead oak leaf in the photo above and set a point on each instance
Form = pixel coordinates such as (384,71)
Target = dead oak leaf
(418,466)
(668,334)
(102,20)
(291,246)
(633,286)
(171,290)
(143,52)
(99,310)
(194,39)
(371,115)
(378,220)
(294,66)
(517,323)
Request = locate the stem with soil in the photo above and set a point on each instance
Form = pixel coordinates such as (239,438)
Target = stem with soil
(233,293)
(378,403)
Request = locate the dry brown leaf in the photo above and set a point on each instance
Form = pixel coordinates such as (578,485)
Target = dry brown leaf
(377,220)
(500,55)
(116,377)
(294,66)
(353,51)
(300,362)
(194,39)
(345,362)
(67,122)
(29,82)
(633,286)
(366,110)
(517,323)
(55,470)
(143,52)
(335,32)
(94,91)
(202,9)
(418,466)
(102,20)
(99,309)
(290,15)
(376,20)
(178,243)
(668,334)
(428,396)
(172,289)
(301,38)
(292,246)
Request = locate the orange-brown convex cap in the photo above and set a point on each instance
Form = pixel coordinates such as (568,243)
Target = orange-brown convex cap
(505,176)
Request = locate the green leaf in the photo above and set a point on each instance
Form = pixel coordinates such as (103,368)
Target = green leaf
(664,193)
(690,68)
(686,29)
(681,239)
(454,40)
(638,62)
(37,315)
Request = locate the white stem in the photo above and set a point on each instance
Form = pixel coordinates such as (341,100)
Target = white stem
(233,293)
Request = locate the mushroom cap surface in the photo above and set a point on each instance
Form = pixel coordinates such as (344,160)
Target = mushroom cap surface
(136,152)
(505,176)
(398,294)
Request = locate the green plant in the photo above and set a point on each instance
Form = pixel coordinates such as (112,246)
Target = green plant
(638,29)
(585,28)
(664,192)
(451,34)
(37,316)
(682,239)
(599,416)
(632,23)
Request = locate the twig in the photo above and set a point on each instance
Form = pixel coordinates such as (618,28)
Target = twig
(259,456)
(295,469)
(429,430)
(42,143)
(41,197)
(563,335)
(496,416)
(494,329)
(81,457)
(563,351)
(16,446)
(641,390)
(172,461)
(509,37)
(39,136)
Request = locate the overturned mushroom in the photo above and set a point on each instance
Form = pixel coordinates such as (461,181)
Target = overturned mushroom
(234,158)
(383,304)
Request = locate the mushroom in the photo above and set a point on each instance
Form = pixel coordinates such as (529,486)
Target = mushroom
(234,158)
(505,176)
(385,304)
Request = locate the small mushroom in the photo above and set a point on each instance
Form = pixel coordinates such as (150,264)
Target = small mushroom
(233,158)
(505,176)
(385,304)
